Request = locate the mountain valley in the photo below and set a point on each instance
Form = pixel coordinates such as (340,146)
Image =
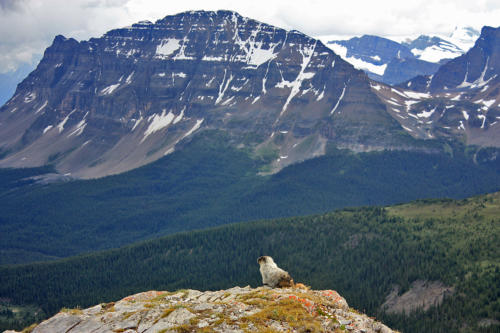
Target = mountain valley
(209,183)
(364,253)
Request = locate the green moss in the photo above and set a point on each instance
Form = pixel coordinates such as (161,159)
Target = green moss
(29,329)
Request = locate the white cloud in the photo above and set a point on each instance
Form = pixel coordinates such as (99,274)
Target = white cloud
(27,27)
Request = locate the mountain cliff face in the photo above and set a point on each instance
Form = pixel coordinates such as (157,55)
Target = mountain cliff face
(232,310)
(476,69)
(114,103)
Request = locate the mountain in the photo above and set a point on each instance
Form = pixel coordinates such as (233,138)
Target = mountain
(394,62)
(424,266)
(464,37)
(441,48)
(433,49)
(111,104)
(382,59)
(475,70)
(466,92)
(233,310)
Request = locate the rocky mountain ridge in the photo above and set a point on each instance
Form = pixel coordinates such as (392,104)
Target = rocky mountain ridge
(464,94)
(233,310)
(111,104)
(114,103)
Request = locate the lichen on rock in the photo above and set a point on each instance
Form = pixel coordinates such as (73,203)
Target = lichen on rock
(237,309)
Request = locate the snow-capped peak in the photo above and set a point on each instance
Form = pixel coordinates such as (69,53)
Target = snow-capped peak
(464,37)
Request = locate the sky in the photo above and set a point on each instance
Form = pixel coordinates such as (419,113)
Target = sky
(27,27)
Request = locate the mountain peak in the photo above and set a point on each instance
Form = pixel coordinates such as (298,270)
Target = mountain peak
(233,310)
(111,104)
(464,32)
(464,37)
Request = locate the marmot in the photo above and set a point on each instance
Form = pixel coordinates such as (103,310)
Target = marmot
(272,275)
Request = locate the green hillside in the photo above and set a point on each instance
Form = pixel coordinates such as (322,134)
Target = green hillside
(209,182)
(360,252)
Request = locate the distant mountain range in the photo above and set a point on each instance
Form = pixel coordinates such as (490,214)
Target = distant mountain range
(393,62)
(114,103)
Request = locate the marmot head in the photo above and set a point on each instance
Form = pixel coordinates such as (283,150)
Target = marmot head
(264,260)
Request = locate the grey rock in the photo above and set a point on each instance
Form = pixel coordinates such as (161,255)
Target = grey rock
(191,294)
(177,317)
(148,319)
(62,322)
(93,310)
(203,307)
(86,326)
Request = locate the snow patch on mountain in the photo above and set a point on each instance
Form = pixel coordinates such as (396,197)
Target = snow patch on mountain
(60,126)
(464,37)
(158,122)
(194,128)
(129,78)
(179,117)
(110,89)
(79,128)
(435,53)
(307,54)
(46,129)
(357,62)
(167,47)
(260,56)
(339,100)
(42,107)
(479,82)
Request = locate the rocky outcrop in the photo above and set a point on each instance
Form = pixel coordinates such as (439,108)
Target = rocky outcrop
(462,99)
(232,310)
(421,295)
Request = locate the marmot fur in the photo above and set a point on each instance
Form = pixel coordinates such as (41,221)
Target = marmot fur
(272,275)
